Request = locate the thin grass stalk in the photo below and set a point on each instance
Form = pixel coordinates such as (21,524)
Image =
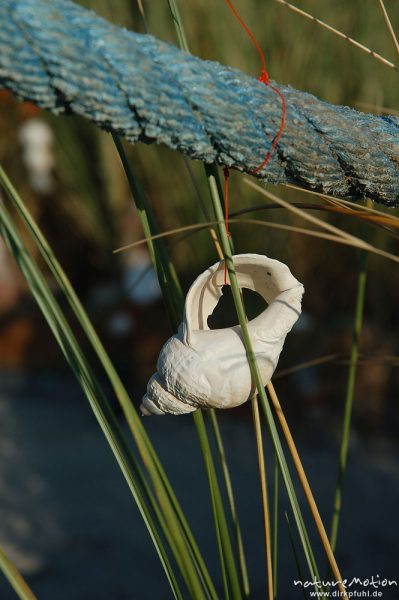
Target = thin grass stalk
(164,268)
(306,216)
(227,479)
(339,234)
(220,548)
(140,8)
(296,556)
(216,199)
(231,500)
(306,488)
(226,474)
(105,417)
(178,23)
(167,274)
(376,219)
(275,524)
(355,243)
(265,502)
(389,25)
(173,297)
(360,207)
(140,436)
(286,475)
(306,364)
(175,309)
(338,34)
(222,530)
(14,577)
(225,469)
(350,393)
(263,483)
(219,541)
(377,108)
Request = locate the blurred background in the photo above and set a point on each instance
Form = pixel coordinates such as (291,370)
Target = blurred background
(69,174)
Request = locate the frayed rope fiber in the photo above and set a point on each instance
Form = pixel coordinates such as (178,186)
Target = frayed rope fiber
(66,59)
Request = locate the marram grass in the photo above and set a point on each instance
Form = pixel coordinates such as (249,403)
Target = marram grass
(168,516)
(349,397)
(174,304)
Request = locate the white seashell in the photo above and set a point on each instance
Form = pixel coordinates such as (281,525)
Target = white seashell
(203,368)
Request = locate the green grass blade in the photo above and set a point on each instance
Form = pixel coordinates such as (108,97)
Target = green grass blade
(166,273)
(226,555)
(216,200)
(192,545)
(350,393)
(15,578)
(230,496)
(140,436)
(219,541)
(286,475)
(178,23)
(275,524)
(296,556)
(174,302)
(100,407)
(175,308)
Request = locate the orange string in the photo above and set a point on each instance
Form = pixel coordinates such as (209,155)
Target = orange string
(264,78)
(251,35)
(280,131)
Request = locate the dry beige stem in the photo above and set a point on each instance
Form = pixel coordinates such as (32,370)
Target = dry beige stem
(339,34)
(389,25)
(306,488)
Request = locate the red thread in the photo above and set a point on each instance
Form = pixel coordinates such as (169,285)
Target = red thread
(280,131)
(264,78)
(253,38)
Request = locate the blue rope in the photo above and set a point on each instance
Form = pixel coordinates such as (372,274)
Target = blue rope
(66,59)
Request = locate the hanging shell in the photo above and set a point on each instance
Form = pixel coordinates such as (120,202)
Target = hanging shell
(203,368)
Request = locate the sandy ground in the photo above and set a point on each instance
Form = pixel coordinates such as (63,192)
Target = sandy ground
(69,522)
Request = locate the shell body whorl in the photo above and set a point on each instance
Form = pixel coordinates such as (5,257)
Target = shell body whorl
(203,368)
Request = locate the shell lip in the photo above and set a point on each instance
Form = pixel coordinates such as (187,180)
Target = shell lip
(266,276)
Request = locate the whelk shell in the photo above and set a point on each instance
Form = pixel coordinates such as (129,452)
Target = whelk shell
(203,368)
